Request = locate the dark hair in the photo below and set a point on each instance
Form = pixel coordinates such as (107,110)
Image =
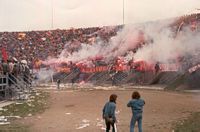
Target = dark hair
(113,98)
(135,95)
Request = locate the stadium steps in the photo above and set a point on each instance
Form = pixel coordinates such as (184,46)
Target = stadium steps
(156,78)
(127,78)
(186,80)
(169,77)
(103,79)
(90,77)
(136,78)
(97,77)
(68,77)
(60,75)
(166,77)
(120,76)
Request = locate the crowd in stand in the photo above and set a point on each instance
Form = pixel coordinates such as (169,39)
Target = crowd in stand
(35,45)
(14,69)
(39,45)
(192,20)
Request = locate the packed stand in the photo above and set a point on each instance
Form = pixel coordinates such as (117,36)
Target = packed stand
(36,45)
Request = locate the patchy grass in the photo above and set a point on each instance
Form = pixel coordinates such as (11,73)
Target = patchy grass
(192,124)
(37,103)
(14,128)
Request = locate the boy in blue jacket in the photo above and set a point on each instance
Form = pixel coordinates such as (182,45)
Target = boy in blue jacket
(109,113)
(136,105)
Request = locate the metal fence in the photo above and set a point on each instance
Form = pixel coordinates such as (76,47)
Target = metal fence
(12,87)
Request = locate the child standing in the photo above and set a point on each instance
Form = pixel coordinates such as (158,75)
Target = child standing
(136,105)
(109,113)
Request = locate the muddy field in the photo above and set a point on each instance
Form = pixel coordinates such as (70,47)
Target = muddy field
(81,110)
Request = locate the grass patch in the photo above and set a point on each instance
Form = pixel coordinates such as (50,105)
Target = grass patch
(37,103)
(192,124)
(14,128)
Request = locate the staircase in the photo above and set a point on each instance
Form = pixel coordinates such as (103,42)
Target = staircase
(19,87)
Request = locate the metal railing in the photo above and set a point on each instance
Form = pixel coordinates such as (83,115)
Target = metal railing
(12,86)
(3,86)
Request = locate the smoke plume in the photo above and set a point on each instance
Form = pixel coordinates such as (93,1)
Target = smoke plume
(166,46)
(161,45)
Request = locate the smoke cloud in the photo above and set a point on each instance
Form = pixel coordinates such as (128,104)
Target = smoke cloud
(164,46)
(45,75)
(125,40)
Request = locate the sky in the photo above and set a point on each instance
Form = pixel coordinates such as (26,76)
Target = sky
(26,15)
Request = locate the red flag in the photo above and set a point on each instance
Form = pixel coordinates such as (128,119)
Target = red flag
(4,54)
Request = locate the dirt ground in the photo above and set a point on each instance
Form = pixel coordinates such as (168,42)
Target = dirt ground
(81,110)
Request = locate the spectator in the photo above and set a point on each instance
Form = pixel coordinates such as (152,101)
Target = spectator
(5,67)
(58,83)
(157,67)
(109,113)
(136,104)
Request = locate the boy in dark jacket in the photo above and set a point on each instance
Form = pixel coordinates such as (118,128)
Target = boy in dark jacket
(109,113)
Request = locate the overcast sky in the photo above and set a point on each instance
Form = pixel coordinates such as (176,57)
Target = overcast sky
(20,15)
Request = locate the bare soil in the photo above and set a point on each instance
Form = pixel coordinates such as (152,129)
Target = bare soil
(81,110)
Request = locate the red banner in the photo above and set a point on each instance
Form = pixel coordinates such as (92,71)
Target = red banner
(4,54)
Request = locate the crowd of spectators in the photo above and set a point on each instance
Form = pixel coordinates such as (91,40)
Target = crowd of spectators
(38,45)
(15,69)
(192,20)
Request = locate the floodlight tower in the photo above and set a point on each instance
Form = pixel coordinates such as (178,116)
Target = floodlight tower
(52,15)
(123,12)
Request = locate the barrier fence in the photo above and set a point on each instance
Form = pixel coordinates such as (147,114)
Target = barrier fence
(14,86)
(3,85)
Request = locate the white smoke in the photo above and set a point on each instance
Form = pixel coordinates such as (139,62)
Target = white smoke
(166,46)
(45,75)
(86,51)
(118,45)
(162,45)
(125,40)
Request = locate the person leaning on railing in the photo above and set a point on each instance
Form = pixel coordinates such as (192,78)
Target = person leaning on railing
(5,67)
